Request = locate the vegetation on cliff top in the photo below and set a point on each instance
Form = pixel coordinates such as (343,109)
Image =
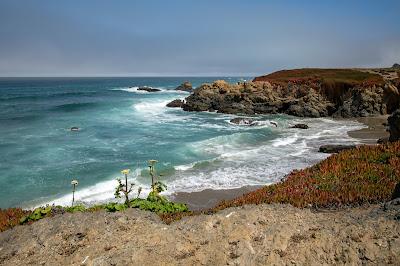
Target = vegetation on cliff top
(367,174)
(350,77)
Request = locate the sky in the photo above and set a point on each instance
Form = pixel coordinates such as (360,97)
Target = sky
(194,38)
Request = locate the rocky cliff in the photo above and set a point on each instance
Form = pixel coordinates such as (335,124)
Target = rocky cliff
(303,92)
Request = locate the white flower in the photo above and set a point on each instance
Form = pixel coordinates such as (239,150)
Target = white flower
(125,171)
(152,162)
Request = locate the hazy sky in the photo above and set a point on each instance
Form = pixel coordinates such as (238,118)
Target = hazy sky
(136,38)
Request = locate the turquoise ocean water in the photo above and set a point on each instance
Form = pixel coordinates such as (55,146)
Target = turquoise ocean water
(123,128)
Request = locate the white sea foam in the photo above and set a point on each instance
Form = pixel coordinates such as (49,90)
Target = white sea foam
(284,141)
(237,160)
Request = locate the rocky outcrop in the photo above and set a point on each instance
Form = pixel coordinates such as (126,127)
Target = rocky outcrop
(257,98)
(301,126)
(175,103)
(394,126)
(335,148)
(186,86)
(148,89)
(304,98)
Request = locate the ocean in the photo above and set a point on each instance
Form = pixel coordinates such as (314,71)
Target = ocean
(121,127)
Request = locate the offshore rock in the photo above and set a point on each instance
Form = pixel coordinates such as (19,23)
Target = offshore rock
(186,86)
(148,89)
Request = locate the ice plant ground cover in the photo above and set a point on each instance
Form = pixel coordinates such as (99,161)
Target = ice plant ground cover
(367,174)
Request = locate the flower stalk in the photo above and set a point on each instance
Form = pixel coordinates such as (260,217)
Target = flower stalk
(74,183)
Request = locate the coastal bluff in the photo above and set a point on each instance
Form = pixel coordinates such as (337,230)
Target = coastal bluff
(304,93)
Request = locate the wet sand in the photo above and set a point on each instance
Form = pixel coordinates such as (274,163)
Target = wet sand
(208,198)
(375,130)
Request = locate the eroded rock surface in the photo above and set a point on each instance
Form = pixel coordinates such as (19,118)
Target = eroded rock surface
(251,235)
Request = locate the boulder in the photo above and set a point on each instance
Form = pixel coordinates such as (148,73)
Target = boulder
(394,126)
(148,89)
(243,121)
(186,86)
(175,103)
(335,148)
(301,126)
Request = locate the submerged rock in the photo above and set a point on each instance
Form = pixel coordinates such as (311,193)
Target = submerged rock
(394,126)
(148,89)
(335,148)
(186,86)
(243,121)
(301,126)
(175,103)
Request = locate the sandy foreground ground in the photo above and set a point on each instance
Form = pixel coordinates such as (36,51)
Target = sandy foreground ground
(251,235)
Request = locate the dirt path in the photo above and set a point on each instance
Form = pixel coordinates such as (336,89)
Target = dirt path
(251,235)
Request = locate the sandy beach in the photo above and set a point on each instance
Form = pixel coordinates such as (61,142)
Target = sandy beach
(376,129)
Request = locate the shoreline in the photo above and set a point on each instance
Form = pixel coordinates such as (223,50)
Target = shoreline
(208,198)
(374,130)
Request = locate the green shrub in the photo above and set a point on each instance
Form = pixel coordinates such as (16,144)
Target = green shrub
(37,214)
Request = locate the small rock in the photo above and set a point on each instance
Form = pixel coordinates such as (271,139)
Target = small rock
(383,140)
(175,103)
(148,89)
(335,148)
(74,128)
(301,126)
(242,121)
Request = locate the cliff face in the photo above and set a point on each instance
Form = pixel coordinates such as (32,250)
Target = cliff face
(304,92)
